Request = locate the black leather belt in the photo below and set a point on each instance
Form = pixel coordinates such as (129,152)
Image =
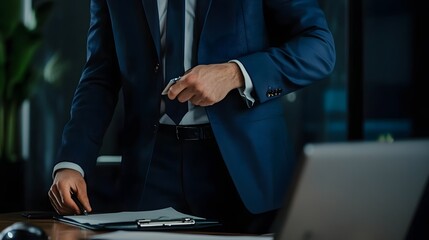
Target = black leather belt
(190,132)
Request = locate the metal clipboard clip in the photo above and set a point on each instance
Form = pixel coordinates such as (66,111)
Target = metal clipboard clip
(165,223)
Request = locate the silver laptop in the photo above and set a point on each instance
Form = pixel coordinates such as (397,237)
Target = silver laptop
(356,191)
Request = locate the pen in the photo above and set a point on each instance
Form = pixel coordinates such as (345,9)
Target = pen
(170,83)
(79,204)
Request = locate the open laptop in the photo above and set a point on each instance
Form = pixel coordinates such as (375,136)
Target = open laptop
(355,191)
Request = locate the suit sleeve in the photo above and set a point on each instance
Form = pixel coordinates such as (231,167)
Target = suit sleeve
(301,49)
(96,94)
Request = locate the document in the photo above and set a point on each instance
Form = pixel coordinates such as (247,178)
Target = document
(103,218)
(161,219)
(127,235)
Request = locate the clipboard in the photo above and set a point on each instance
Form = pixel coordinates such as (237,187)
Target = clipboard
(157,220)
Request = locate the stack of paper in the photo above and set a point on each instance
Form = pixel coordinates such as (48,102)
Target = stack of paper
(161,219)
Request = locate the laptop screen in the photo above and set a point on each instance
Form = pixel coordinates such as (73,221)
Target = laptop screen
(355,190)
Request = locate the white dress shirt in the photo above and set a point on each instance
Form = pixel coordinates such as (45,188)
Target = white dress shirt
(195,114)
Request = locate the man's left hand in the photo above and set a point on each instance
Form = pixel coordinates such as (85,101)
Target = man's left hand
(205,85)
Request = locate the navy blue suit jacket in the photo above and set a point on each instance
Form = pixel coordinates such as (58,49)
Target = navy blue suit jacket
(283,44)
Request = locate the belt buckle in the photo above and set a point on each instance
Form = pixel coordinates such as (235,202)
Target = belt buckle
(194,138)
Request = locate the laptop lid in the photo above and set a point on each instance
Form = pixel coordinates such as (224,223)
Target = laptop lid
(355,190)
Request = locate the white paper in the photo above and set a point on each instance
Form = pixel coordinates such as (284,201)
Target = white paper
(161,214)
(137,235)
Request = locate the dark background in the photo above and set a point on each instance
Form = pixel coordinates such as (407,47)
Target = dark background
(375,92)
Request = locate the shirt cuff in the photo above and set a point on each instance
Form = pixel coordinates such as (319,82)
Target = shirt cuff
(68,165)
(248,85)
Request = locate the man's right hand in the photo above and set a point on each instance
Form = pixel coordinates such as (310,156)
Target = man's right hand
(68,181)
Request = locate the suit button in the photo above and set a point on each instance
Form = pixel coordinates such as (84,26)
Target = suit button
(156,69)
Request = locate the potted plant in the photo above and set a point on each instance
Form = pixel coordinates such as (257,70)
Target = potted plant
(19,42)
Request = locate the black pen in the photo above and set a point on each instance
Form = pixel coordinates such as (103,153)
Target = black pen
(79,204)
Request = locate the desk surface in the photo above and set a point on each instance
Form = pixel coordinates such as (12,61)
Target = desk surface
(61,231)
(56,230)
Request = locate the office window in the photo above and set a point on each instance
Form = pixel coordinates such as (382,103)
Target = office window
(388,69)
(376,90)
(318,113)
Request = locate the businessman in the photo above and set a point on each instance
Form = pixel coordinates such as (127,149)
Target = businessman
(213,144)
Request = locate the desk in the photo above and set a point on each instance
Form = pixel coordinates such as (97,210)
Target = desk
(61,231)
(56,230)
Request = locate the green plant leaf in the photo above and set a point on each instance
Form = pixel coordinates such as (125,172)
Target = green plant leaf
(10,16)
(18,79)
(23,45)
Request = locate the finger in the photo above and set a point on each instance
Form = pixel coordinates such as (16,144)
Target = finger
(58,203)
(67,202)
(176,89)
(53,202)
(53,195)
(82,195)
(55,206)
(186,95)
(60,210)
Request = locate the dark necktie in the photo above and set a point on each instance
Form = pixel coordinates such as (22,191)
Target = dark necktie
(174,54)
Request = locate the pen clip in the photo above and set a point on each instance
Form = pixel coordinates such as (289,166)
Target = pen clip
(170,83)
(176,79)
(142,223)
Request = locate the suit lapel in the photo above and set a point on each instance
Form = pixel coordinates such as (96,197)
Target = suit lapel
(201,12)
(151,10)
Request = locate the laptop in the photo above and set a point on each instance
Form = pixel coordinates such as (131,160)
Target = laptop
(355,191)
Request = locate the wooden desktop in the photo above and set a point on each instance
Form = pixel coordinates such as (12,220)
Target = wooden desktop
(54,229)
(57,230)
